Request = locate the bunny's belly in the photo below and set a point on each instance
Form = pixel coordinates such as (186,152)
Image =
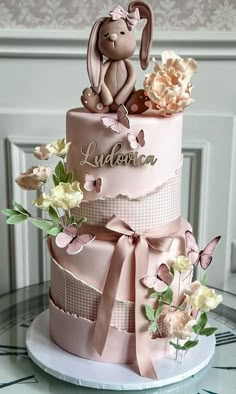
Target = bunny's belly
(116,77)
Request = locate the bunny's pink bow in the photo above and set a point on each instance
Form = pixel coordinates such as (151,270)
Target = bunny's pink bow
(131,18)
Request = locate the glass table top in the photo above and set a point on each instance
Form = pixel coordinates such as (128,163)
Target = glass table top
(18,374)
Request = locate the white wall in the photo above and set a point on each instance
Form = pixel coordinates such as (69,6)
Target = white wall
(42,74)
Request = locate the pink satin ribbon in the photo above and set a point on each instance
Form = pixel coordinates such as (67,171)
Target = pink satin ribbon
(131,18)
(130,246)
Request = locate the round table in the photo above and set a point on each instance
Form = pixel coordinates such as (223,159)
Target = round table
(18,374)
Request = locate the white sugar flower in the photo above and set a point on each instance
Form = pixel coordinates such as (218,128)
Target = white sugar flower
(202,297)
(59,147)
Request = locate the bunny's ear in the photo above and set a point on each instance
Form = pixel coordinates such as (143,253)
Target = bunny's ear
(94,57)
(145,12)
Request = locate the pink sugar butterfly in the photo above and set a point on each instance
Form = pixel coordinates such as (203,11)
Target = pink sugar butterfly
(160,281)
(121,120)
(136,142)
(91,183)
(70,237)
(204,257)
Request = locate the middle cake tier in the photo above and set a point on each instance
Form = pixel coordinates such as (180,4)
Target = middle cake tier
(158,208)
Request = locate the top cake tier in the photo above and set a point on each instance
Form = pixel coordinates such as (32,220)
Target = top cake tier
(109,157)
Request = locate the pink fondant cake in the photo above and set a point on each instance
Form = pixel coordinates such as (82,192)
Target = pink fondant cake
(123,296)
(122,256)
(145,197)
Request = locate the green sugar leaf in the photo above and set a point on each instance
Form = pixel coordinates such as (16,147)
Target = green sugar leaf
(158,312)
(208,331)
(196,328)
(42,224)
(203,280)
(153,326)
(190,344)
(9,212)
(71,219)
(15,219)
(172,271)
(168,295)
(156,295)
(81,221)
(149,312)
(54,231)
(177,346)
(60,172)
(55,180)
(202,321)
(21,209)
(69,177)
(53,214)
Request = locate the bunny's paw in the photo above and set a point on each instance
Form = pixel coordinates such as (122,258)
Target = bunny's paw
(92,101)
(136,102)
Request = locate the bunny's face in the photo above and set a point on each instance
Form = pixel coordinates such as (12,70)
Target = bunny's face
(115,40)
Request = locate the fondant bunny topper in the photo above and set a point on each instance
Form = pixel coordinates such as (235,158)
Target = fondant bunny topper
(113,38)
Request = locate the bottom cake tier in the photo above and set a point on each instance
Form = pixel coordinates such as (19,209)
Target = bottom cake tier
(77,285)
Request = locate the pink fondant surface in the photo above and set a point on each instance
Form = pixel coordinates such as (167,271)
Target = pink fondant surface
(92,264)
(163,140)
(75,335)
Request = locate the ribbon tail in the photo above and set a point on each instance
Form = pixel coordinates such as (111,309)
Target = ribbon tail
(144,361)
(122,252)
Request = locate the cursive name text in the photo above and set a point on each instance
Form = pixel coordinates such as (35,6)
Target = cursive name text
(115,157)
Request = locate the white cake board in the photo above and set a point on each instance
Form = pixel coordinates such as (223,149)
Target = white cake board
(63,365)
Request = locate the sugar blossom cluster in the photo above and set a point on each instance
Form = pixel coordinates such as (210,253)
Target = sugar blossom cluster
(57,201)
(65,196)
(183,318)
(168,87)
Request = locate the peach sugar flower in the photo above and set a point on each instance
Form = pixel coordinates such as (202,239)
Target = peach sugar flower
(33,178)
(169,87)
(42,152)
(179,324)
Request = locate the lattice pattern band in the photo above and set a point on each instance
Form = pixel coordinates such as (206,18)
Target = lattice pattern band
(76,297)
(151,211)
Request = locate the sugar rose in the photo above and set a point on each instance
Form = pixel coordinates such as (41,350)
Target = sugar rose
(179,324)
(201,297)
(181,263)
(33,178)
(42,152)
(169,87)
(59,147)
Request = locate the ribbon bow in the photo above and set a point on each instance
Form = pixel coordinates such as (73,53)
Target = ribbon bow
(129,242)
(131,18)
